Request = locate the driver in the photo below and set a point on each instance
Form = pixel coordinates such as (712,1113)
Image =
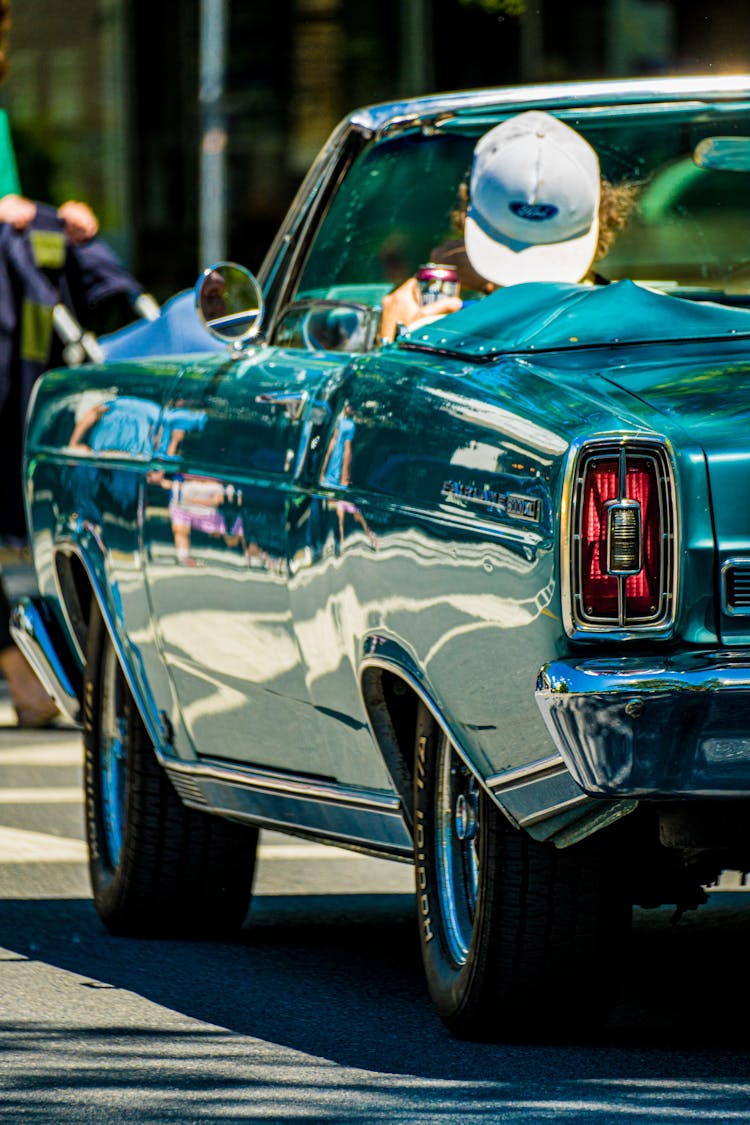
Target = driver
(536,210)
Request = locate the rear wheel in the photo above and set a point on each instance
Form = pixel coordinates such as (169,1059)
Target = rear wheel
(157,867)
(517,936)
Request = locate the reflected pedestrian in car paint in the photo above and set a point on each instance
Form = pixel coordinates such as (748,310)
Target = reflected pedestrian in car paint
(194,506)
(337,463)
(336,472)
(115,425)
(119,425)
(215,509)
(127,424)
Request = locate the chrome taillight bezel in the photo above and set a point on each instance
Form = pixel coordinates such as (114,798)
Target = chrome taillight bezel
(660,623)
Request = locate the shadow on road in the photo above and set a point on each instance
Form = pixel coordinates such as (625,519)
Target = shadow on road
(340,977)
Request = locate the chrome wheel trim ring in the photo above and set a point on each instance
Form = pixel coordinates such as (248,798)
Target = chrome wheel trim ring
(112,757)
(456,837)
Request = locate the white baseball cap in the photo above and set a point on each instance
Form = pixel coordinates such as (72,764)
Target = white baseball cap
(534,202)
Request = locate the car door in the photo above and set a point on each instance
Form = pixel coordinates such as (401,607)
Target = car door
(215,524)
(216,511)
(350,560)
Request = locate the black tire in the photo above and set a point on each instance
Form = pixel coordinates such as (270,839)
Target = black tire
(519,938)
(157,867)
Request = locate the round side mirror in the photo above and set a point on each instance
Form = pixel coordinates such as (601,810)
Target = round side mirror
(229,302)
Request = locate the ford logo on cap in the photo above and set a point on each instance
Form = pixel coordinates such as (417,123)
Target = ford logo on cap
(534,212)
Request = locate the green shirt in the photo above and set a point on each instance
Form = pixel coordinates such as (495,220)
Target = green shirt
(9,182)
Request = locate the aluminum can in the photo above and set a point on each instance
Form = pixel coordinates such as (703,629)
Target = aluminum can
(436,280)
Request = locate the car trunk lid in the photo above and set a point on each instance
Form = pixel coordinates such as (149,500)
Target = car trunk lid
(710,402)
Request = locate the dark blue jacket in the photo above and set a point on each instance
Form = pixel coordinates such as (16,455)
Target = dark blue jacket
(38,269)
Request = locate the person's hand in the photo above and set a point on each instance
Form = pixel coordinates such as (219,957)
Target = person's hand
(403,306)
(79,220)
(17,211)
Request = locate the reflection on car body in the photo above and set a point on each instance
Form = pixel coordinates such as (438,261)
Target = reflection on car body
(477,599)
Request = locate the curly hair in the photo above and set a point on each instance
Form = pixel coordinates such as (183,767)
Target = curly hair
(616,203)
(459,212)
(5,24)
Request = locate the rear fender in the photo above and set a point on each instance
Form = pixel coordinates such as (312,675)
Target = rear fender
(392,683)
(542,799)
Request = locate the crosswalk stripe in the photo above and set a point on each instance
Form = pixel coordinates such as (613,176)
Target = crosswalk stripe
(36,795)
(42,756)
(18,845)
(303,851)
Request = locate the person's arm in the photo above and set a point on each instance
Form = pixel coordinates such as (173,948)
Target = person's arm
(175,442)
(403,306)
(79,221)
(84,424)
(329,451)
(346,464)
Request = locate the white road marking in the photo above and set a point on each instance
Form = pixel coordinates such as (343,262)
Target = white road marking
(304,851)
(42,756)
(58,795)
(17,845)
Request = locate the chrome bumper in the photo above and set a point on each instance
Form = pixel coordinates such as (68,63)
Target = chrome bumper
(647,727)
(39,637)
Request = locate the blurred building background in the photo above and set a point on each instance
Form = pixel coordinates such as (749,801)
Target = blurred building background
(103,95)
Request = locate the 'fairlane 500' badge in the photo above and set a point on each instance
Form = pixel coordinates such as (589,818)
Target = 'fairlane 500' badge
(509,503)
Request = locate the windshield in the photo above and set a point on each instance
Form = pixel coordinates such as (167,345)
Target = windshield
(678,226)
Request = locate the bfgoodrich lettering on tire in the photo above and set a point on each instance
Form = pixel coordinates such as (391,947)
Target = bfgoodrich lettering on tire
(156,866)
(517,937)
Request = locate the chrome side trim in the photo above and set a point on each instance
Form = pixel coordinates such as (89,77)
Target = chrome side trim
(379,850)
(555,810)
(539,795)
(309,788)
(512,779)
(370,822)
(551,782)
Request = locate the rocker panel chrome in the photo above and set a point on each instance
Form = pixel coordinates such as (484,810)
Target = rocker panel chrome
(371,822)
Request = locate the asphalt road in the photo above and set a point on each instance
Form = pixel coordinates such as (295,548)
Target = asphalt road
(318,1013)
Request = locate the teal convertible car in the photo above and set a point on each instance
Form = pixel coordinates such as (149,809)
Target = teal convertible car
(477,598)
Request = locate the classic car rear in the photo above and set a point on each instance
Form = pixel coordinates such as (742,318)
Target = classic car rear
(476,599)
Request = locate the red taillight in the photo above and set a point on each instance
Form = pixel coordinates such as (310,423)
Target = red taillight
(643,590)
(622,537)
(599,590)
